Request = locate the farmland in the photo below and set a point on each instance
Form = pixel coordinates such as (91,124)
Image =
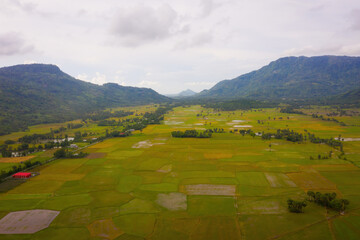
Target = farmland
(230,186)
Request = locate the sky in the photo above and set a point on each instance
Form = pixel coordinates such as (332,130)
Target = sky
(173,45)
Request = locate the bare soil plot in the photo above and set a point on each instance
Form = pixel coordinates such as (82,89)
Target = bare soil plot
(172,201)
(26,222)
(311,180)
(104,229)
(96,155)
(15,159)
(145,144)
(210,189)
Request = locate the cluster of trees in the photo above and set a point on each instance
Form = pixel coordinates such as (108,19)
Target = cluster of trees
(296,206)
(328,119)
(291,110)
(328,200)
(328,141)
(243,132)
(102,115)
(117,134)
(139,123)
(243,104)
(216,130)
(284,134)
(319,157)
(17,168)
(25,149)
(65,153)
(191,134)
(299,137)
(74,125)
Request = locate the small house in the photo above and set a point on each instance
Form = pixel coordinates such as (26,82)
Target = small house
(22,175)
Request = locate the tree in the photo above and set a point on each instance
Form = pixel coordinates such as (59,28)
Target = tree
(61,153)
(311,195)
(296,206)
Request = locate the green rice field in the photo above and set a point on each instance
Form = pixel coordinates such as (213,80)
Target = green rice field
(153,186)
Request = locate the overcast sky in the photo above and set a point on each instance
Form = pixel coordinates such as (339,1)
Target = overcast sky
(173,45)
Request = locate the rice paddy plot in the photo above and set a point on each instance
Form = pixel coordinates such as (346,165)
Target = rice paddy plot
(311,180)
(279,180)
(252,179)
(211,206)
(141,225)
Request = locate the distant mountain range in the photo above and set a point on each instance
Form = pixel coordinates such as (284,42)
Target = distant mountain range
(292,78)
(185,93)
(39,93)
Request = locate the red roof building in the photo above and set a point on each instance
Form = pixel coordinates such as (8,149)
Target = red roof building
(21,175)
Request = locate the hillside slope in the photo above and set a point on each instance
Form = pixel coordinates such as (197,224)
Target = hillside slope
(39,93)
(293,78)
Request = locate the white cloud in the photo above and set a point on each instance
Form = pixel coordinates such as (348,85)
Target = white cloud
(172,45)
(30,62)
(146,83)
(355,16)
(12,43)
(142,24)
(203,84)
(98,79)
(82,76)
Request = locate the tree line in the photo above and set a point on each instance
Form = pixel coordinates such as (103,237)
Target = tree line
(191,134)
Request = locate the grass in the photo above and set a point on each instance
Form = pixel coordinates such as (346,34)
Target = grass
(121,188)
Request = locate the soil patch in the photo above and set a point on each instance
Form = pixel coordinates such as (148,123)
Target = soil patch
(96,155)
(172,201)
(209,189)
(145,144)
(26,222)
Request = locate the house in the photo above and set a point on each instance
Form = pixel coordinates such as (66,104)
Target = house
(22,175)
(73,146)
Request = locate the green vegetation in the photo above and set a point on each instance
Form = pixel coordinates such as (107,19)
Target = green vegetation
(328,200)
(62,97)
(233,185)
(191,134)
(294,78)
(64,153)
(296,206)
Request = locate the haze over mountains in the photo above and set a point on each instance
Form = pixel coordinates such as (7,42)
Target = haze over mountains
(183,94)
(292,78)
(38,93)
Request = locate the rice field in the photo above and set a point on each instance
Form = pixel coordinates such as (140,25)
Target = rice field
(153,186)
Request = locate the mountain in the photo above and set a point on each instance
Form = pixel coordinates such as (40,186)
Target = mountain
(38,93)
(292,78)
(186,93)
(183,94)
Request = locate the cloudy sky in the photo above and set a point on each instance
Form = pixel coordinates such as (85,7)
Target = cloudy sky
(175,44)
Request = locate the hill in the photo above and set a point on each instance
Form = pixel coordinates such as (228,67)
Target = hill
(183,94)
(38,93)
(293,78)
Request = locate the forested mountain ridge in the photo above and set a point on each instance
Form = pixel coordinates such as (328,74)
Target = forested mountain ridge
(38,93)
(293,78)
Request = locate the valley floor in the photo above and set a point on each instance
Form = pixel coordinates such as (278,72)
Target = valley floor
(153,186)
